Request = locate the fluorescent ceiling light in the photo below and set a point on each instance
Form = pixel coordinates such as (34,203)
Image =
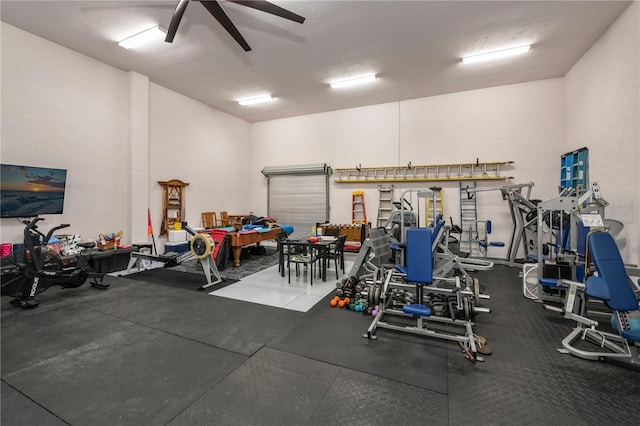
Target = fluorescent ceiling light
(258,100)
(496,54)
(354,81)
(145,37)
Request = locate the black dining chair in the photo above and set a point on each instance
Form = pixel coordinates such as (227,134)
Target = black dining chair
(337,253)
(281,240)
(301,253)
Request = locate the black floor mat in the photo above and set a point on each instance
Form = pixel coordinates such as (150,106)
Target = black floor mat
(179,279)
(141,353)
(251,394)
(334,335)
(152,375)
(24,411)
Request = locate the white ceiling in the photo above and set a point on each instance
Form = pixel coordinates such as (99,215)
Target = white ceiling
(414,46)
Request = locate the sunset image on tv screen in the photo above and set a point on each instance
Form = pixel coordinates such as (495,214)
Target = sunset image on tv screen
(29,191)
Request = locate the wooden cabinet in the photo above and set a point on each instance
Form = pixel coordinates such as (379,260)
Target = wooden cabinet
(172,204)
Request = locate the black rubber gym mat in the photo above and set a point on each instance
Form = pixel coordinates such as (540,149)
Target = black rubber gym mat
(357,398)
(179,279)
(136,301)
(513,386)
(23,411)
(137,376)
(32,336)
(271,388)
(83,372)
(334,335)
(230,324)
(59,298)
(527,380)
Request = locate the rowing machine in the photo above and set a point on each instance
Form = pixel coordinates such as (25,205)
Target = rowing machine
(201,247)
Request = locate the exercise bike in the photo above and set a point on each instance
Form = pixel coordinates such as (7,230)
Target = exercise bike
(36,267)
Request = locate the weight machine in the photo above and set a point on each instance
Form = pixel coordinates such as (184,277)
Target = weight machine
(562,221)
(613,287)
(425,304)
(376,258)
(522,210)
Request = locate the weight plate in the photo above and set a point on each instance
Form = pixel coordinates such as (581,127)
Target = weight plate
(476,290)
(376,296)
(465,304)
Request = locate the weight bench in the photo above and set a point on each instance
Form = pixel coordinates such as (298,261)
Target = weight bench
(614,288)
(418,272)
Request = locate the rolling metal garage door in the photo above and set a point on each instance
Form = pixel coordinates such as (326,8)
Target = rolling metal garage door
(298,195)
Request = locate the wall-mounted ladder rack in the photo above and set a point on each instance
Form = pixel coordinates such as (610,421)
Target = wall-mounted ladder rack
(409,173)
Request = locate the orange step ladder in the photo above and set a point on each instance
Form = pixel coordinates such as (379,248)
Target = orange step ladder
(358,210)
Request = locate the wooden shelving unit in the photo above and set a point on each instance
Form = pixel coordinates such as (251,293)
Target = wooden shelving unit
(172,203)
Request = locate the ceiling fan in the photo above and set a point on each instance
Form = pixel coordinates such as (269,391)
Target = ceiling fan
(214,8)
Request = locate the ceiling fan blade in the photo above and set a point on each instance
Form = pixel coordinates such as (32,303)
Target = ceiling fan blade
(175,20)
(271,8)
(216,10)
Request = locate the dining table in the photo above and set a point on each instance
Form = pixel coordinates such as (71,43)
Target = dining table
(322,247)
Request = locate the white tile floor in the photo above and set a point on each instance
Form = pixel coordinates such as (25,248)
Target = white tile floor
(267,287)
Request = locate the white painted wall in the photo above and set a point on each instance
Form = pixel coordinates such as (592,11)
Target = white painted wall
(367,136)
(117,134)
(200,145)
(138,165)
(64,110)
(603,114)
(521,123)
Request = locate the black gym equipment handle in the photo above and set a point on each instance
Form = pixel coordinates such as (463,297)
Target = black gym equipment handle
(54,229)
(30,231)
(32,228)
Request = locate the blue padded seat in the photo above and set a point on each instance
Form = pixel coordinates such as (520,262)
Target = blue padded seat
(419,257)
(400,269)
(633,335)
(548,282)
(419,267)
(417,310)
(598,288)
(496,244)
(436,226)
(606,257)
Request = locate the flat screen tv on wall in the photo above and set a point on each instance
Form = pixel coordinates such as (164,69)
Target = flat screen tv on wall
(29,191)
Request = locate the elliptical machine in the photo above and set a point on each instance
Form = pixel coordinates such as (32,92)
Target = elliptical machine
(37,267)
